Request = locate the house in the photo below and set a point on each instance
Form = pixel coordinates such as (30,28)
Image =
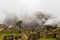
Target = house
(3,27)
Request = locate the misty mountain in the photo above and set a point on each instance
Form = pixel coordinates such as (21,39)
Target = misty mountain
(36,20)
(10,19)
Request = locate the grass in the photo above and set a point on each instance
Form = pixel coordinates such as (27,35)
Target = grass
(9,34)
(20,34)
(48,39)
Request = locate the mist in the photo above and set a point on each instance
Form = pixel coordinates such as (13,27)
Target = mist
(25,10)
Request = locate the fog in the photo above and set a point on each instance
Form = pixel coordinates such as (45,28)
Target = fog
(25,9)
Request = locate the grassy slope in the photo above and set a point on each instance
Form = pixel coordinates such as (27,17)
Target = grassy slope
(9,34)
(48,39)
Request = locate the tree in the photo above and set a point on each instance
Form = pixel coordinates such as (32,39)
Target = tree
(19,24)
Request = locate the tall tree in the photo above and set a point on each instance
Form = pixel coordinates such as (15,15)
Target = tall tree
(19,23)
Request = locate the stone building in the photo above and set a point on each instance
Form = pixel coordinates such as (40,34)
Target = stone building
(3,27)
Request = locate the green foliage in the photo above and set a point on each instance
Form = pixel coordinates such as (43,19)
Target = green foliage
(19,24)
(47,39)
(9,34)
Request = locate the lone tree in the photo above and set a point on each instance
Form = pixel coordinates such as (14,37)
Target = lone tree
(19,23)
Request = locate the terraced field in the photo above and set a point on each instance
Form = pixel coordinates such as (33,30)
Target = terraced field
(9,34)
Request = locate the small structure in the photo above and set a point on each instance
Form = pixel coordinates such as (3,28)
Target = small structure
(48,31)
(3,27)
(48,27)
(11,37)
(8,37)
(17,38)
(33,36)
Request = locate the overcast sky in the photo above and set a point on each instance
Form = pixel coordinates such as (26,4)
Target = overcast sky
(28,6)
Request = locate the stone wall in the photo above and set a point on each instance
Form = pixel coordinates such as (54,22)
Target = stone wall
(12,38)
